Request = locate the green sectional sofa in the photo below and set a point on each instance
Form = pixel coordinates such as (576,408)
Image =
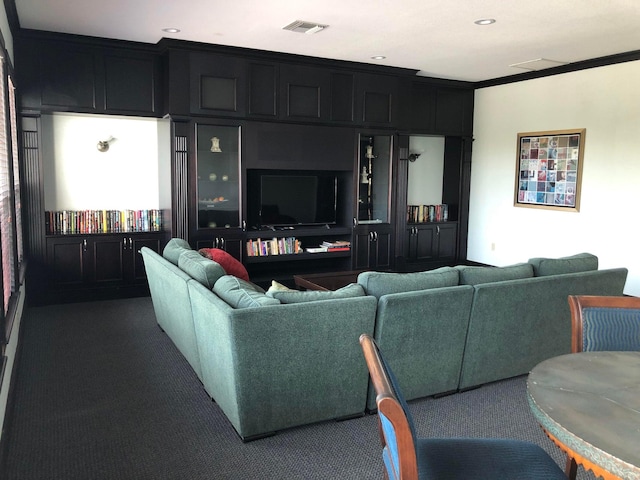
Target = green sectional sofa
(268,365)
(277,359)
(455,328)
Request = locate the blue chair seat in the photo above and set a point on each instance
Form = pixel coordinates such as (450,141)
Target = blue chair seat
(484,459)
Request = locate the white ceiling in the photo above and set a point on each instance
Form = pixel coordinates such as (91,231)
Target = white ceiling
(436,37)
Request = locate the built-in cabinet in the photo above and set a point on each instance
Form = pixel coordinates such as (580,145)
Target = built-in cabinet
(234,112)
(430,243)
(372,247)
(98,261)
(65,75)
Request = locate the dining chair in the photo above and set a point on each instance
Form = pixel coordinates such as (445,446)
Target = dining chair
(600,323)
(407,457)
(604,323)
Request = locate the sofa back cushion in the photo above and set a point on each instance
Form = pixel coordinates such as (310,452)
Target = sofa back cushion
(174,248)
(239,293)
(383,283)
(582,262)
(201,269)
(298,296)
(470,275)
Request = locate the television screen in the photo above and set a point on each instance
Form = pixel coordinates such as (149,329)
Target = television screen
(298,199)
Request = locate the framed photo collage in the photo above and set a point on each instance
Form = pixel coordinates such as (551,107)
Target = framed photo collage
(549,169)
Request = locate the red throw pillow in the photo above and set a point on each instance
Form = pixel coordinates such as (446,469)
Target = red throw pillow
(226,261)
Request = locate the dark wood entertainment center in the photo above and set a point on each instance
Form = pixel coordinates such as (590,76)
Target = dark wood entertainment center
(285,113)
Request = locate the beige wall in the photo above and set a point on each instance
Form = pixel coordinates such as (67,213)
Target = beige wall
(77,176)
(603,100)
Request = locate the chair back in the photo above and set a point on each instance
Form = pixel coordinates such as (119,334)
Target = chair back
(601,323)
(396,427)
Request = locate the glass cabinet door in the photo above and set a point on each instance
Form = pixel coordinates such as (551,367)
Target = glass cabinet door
(374,178)
(218,176)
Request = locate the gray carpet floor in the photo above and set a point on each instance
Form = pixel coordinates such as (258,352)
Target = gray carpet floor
(102,393)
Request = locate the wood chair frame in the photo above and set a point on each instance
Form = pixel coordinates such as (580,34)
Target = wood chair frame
(578,302)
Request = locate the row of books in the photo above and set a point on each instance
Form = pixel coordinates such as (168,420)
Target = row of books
(427,213)
(102,221)
(275,246)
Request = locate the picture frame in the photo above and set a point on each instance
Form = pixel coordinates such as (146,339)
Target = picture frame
(549,169)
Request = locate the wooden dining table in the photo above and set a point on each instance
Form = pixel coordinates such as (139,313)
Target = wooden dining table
(589,405)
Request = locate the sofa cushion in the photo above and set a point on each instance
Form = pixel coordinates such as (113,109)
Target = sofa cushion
(277,286)
(582,262)
(205,271)
(383,283)
(470,275)
(230,264)
(174,248)
(241,294)
(298,296)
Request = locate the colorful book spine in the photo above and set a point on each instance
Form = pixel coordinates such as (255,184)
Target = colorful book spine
(70,222)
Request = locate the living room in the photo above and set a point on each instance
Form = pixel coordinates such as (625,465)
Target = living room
(601,99)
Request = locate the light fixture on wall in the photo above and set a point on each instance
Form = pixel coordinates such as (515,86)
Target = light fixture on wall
(103,145)
(413,157)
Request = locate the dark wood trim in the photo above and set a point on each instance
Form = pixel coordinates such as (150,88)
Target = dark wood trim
(571,67)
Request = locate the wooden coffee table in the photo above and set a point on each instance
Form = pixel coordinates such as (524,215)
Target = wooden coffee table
(326,281)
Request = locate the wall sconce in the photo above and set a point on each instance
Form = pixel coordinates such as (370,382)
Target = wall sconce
(413,157)
(215,145)
(103,145)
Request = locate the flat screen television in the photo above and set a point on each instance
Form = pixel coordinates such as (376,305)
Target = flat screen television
(290,199)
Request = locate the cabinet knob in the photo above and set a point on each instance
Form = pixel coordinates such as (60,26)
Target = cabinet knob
(438,230)
(221,243)
(84,245)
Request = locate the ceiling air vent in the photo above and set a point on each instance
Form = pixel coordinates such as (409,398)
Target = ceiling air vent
(301,26)
(537,64)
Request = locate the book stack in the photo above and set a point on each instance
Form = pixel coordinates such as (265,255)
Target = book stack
(274,246)
(427,213)
(337,246)
(69,222)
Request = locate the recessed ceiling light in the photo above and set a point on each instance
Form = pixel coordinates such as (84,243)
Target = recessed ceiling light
(378,57)
(485,21)
(171,30)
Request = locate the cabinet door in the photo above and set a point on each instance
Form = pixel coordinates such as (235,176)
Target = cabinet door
(106,259)
(304,93)
(68,77)
(375,175)
(218,85)
(372,248)
(65,260)
(423,107)
(377,99)
(217,179)
(134,262)
(263,89)
(454,111)
(231,242)
(130,83)
(421,243)
(446,234)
